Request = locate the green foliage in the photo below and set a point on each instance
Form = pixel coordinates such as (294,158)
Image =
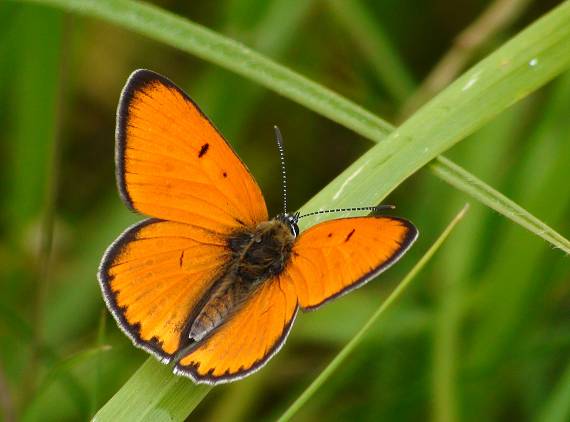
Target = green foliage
(488,315)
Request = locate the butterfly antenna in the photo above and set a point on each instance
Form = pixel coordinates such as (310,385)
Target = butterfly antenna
(279,140)
(377,208)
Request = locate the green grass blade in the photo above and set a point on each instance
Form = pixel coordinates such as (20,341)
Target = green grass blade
(153,394)
(528,61)
(507,75)
(497,16)
(32,143)
(29,207)
(463,180)
(195,39)
(274,32)
(343,354)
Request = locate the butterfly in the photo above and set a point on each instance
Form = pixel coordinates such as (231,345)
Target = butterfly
(208,283)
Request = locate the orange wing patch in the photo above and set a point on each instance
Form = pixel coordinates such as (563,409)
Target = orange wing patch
(248,339)
(152,277)
(174,165)
(337,256)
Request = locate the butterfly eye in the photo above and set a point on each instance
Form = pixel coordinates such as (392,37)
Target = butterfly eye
(291,221)
(294,229)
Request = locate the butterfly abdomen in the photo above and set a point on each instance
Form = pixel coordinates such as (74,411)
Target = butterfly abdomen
(223,300)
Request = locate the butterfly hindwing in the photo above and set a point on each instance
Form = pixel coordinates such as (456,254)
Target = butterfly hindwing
(248,339)
(337,256)
(154,274)
(173,164)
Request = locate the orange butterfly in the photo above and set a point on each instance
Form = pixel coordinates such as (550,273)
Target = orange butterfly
(209,283)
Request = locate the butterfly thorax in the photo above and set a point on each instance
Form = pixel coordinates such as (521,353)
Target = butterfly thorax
(261,253)
(257,254)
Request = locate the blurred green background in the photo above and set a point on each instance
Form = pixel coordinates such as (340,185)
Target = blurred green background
(484,334)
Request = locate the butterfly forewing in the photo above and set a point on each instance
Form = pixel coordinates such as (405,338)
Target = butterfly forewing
(174,165)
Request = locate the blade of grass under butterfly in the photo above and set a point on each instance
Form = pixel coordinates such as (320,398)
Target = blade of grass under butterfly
(343,354)
(528,61)
(153,393)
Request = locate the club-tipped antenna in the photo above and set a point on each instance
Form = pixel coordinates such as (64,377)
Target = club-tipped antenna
(353,209)
(279,140)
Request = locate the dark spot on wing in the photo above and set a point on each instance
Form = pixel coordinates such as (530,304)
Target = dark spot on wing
(203,150)
(156,342)
(225,174)
(349,235)
(329,235)
(240,222)
(181,259)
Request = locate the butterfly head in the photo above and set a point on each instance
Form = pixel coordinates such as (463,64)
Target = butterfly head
(291,221)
